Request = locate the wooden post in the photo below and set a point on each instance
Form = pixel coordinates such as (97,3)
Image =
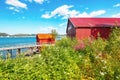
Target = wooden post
(9,54)
(39,48)
(18,51)
(31,49)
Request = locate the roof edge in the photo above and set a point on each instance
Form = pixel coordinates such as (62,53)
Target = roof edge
(71,22)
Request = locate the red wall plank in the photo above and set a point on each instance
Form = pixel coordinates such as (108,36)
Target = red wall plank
(82,33)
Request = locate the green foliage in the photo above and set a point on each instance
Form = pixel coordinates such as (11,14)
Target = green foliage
(54,33)
(61,63)
(66,42)
(104,57)
(99,60)
(114,41)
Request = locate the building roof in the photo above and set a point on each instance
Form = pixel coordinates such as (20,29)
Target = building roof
(45,36)
(95,22)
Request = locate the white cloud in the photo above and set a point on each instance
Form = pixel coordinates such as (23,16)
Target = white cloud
(61,11)
(63,24)
(46,15)
(30,0)
(46,29)
(16,3)
(65,12)
(14,9)
(96,13)
(117,5)
(39,1)
(116,15)
(11,8)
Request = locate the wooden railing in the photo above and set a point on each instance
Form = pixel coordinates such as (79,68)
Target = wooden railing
(18,47)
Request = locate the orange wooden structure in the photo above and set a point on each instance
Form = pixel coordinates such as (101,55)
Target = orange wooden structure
(45,39)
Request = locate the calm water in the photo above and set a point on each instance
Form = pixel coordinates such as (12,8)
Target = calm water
(12,41)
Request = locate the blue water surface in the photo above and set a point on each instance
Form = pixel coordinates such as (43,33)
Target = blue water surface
(11,41)
(15,41)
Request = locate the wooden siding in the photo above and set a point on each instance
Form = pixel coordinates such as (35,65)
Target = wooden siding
(103,32)
(82,33)
(45,38)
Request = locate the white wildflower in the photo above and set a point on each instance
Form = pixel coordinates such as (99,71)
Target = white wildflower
(80,56)
(97,57)
(40,55)
(102,73)
(104,61)
(104,67)
(118,77)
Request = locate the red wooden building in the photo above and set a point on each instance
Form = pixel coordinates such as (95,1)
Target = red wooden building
(82,28)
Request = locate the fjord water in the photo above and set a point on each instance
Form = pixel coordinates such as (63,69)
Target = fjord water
(14,41)
(11,41)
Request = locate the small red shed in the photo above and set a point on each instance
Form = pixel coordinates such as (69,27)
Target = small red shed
(45,39)
(82,28)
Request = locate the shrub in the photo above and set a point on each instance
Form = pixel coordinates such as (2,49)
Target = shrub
(66,42)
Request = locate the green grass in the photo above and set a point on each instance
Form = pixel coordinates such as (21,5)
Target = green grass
(98,60)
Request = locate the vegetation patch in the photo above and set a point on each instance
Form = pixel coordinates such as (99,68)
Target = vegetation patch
(67,60)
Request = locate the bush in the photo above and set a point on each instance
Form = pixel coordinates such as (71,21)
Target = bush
(66,42)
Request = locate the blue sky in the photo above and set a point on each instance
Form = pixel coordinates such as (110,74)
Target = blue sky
(41,16)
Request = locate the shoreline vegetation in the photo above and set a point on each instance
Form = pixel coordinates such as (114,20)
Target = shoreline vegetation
(68,59)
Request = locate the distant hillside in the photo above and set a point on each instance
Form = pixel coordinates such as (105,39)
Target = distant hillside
(23,35)
(4,34)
